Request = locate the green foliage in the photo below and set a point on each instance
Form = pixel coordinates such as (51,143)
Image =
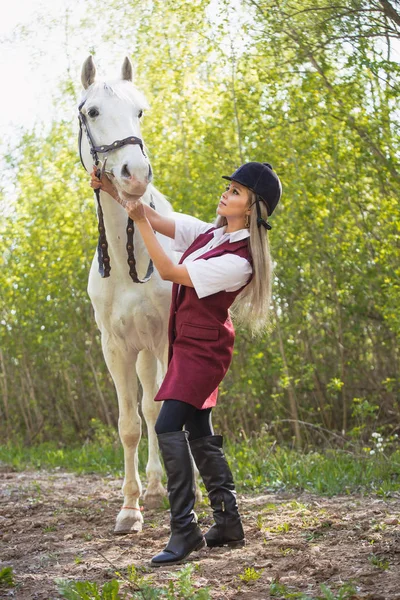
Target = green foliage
(85,590)
(179,587)
(346,592)
(381,563)
(183,586)
(250,575)
(7,577)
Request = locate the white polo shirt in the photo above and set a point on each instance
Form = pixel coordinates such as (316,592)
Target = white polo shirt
(228,272)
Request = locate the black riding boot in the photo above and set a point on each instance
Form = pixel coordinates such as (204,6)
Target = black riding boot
(186,535)
(217,477)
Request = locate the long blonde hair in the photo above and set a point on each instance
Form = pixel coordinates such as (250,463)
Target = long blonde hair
(251,307)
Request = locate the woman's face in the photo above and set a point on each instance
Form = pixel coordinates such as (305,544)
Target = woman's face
(234,202)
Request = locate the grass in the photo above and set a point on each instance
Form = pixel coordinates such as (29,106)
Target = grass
(92,457)
(257,465)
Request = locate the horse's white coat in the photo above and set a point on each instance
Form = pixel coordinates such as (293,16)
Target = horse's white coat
(132,318)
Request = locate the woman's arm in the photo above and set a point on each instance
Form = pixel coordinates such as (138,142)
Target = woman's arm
(165,266)
(164,225)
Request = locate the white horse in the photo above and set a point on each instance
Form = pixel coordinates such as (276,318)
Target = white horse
(132,317)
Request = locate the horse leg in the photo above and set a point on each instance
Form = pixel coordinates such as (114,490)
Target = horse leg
(121,365)
(146,367)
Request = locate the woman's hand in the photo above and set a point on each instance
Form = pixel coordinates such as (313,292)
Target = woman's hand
(136,210)
(104,183)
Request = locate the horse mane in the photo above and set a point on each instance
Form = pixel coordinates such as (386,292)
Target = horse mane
(122,89)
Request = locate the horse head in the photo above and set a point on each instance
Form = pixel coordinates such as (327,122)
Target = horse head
(110,112)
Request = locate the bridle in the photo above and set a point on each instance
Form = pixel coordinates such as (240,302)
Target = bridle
(103,256)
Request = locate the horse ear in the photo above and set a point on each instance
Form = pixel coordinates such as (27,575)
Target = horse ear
(127,70)
(88,72)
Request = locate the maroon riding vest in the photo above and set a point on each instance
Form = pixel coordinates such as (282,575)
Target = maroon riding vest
(201,334)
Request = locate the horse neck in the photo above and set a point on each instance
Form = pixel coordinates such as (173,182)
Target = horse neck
(115,221)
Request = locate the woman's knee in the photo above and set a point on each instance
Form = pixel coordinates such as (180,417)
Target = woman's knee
(164,426)
(200,424)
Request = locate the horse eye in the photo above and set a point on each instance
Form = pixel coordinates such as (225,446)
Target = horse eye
(140,115)
(93,112)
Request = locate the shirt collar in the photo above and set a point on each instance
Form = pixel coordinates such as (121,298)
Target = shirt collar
(236,236)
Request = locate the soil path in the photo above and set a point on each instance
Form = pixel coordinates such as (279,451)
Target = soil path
(59,525)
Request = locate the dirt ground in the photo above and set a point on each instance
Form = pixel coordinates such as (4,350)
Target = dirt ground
(59,525)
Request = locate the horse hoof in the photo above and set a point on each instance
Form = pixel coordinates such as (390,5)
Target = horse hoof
(123,527)
(123,530)
(155,497)
(118,531)
(137,527)
(155,501)
(128,524)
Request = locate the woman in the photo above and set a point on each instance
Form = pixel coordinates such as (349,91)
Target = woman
(220,264)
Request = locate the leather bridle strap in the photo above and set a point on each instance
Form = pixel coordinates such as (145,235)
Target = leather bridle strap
(119,143)
(130,229)
(103,256)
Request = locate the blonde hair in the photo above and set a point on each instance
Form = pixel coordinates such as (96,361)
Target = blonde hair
(251,306)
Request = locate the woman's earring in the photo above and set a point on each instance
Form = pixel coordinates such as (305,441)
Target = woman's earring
(247,221)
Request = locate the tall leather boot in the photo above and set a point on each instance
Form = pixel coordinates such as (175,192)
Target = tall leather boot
(186,535)
(217,477)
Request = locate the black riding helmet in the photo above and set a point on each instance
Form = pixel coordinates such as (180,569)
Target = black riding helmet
(261,179)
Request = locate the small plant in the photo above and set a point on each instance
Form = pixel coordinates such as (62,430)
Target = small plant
(137,577)
(259,522)
(279,590)
(250,575)
(346,592)
(35,492)
(281,528)
(381,563)
(385,490)
(49,528)
(49,558)
(184,588)
(312,536)
(376,526)
(85,590)
(286,551)
(7,577)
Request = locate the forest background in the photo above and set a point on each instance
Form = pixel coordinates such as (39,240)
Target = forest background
(310,87)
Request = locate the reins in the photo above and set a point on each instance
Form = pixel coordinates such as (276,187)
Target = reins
(103,256)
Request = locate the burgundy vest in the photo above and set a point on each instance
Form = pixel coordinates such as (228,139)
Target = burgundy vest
(201,334)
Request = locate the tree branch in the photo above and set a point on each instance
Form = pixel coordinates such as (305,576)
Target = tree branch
(390,11)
